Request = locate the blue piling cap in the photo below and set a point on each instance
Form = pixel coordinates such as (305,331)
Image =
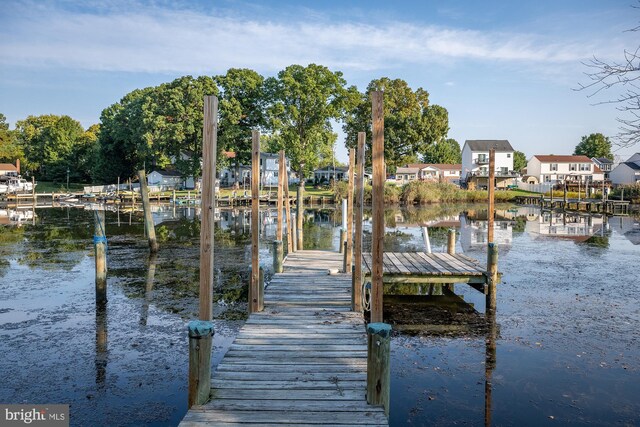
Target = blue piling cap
(200,328)
(379,328)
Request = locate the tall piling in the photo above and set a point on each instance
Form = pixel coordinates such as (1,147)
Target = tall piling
(100,250)
(349,237)
(379,364)
(201,331)
(356,286)
(254,289)
(377,227)
(148,217)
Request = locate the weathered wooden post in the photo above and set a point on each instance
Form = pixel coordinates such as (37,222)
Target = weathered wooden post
(290,235)
(254,289)
(377,238)
(278,250)
(491,186)
(294,228)
(492,277)
(300,212)
(148,217)
(343,227)
(100,249)
(451,242)
(356,278)
(201,331)
(118,189)
(378,364)
(349,247)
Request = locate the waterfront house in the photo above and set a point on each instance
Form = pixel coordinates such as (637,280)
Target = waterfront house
(8,170)
(328,173)
(440,172)
(475,163)
(167,179)
(604,164)
(241,174)
(561,168)
(627,172)
(407,174)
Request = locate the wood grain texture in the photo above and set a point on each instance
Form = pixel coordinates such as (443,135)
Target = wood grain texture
(377,221)
(255,223)
(356,291)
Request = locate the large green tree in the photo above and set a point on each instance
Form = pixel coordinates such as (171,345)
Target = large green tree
(519,161)
(10,149)
(594,145)
(51,144)
(304,100)
(411,124)
(243,105)
(153,127)
(447,152)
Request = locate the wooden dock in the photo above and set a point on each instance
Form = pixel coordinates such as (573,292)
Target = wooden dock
(302,361)
(421,267)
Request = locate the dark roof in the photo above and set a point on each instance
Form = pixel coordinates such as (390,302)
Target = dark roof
(500,145)
(330,169)
(167,173)
(632,165)
(603,160)
(554,158)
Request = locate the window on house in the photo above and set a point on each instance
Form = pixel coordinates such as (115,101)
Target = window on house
(554,166)
(560,176)
(504,170)
(508,155)
(585,167)
(573,167)
(547,178)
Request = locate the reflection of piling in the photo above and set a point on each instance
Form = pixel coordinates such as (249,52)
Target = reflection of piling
(148,291)
(101,343)
(378,364)
(490,363)
(278,255)
(492,277)
(100,246)
(148,218)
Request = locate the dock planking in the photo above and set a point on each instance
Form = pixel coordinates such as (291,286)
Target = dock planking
(302,361)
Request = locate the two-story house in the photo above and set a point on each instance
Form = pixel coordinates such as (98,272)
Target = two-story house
(475,163)
(561,168)
(604,164)
(627,172)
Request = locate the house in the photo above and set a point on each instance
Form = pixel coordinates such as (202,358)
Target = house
(561,168)
(627,172)
(7,169)
(475,163)
(407,174)
(326,174)
(604,164)
(241,174)
(167,179)
(441,172)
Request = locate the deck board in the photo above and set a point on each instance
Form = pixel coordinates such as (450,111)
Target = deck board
(303,360)
(421,264)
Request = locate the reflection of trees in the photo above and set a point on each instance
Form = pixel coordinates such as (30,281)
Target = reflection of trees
(318,236)
(597,242)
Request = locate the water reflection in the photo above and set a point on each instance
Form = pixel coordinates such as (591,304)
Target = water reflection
(102,354)
(148,292)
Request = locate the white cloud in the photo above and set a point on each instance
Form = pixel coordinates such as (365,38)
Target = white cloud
(141,39)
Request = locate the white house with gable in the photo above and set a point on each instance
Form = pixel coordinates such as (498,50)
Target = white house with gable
(561,168)
(475,163)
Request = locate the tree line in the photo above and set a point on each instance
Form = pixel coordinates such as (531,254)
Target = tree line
(158,126)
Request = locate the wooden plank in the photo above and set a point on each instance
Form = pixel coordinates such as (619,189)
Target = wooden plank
(393,258)
(356,291)
(349,248)
(283,405)
(255,223)
(297,367)
(436,266)
(279,204)
(307,417)
(408,262)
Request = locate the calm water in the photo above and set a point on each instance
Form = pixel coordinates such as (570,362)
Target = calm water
(565,348)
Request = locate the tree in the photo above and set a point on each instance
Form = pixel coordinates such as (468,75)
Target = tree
(49,142)
(447,152)
(10,150)
(594,145)
(519,161)
(411,125)
(153,127)
(304,100)
(242,109)
(623,75)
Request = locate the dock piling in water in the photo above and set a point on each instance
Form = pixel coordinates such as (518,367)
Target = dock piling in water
(378,364)
(100,247)
(148,217)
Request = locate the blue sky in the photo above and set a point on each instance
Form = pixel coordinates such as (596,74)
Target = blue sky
(503,69)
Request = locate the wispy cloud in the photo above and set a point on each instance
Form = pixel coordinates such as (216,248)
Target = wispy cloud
(163,39)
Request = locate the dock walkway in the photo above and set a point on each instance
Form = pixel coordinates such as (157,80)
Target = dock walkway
(302,361)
